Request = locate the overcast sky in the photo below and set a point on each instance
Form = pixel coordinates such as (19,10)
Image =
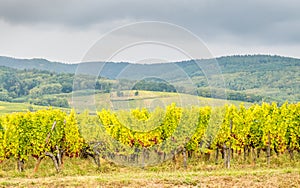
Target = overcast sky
(65,30)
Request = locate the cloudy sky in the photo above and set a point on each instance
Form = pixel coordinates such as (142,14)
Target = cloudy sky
(65,30)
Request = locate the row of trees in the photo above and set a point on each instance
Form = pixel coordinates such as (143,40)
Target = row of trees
(231,95)
(141,137)
(154,85)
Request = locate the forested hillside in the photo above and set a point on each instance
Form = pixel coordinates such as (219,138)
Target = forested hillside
(42,87)
(267,78)
(253,78)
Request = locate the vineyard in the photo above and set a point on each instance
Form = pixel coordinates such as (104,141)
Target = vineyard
(140,137)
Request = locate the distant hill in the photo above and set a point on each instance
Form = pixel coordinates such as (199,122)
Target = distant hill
(229,64)
(251,78)
(39,64)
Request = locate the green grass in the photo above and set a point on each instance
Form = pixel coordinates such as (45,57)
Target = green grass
(9,107)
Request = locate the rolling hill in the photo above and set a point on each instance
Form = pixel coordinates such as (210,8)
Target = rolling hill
(251,78)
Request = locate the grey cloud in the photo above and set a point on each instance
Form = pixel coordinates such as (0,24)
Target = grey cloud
(256,21)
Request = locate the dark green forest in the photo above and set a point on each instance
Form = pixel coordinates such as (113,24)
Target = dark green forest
(154,85)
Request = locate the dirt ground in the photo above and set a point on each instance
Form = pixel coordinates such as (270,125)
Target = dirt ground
(161,179)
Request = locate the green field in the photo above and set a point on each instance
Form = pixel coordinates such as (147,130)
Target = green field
(9,107)
(148,99)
